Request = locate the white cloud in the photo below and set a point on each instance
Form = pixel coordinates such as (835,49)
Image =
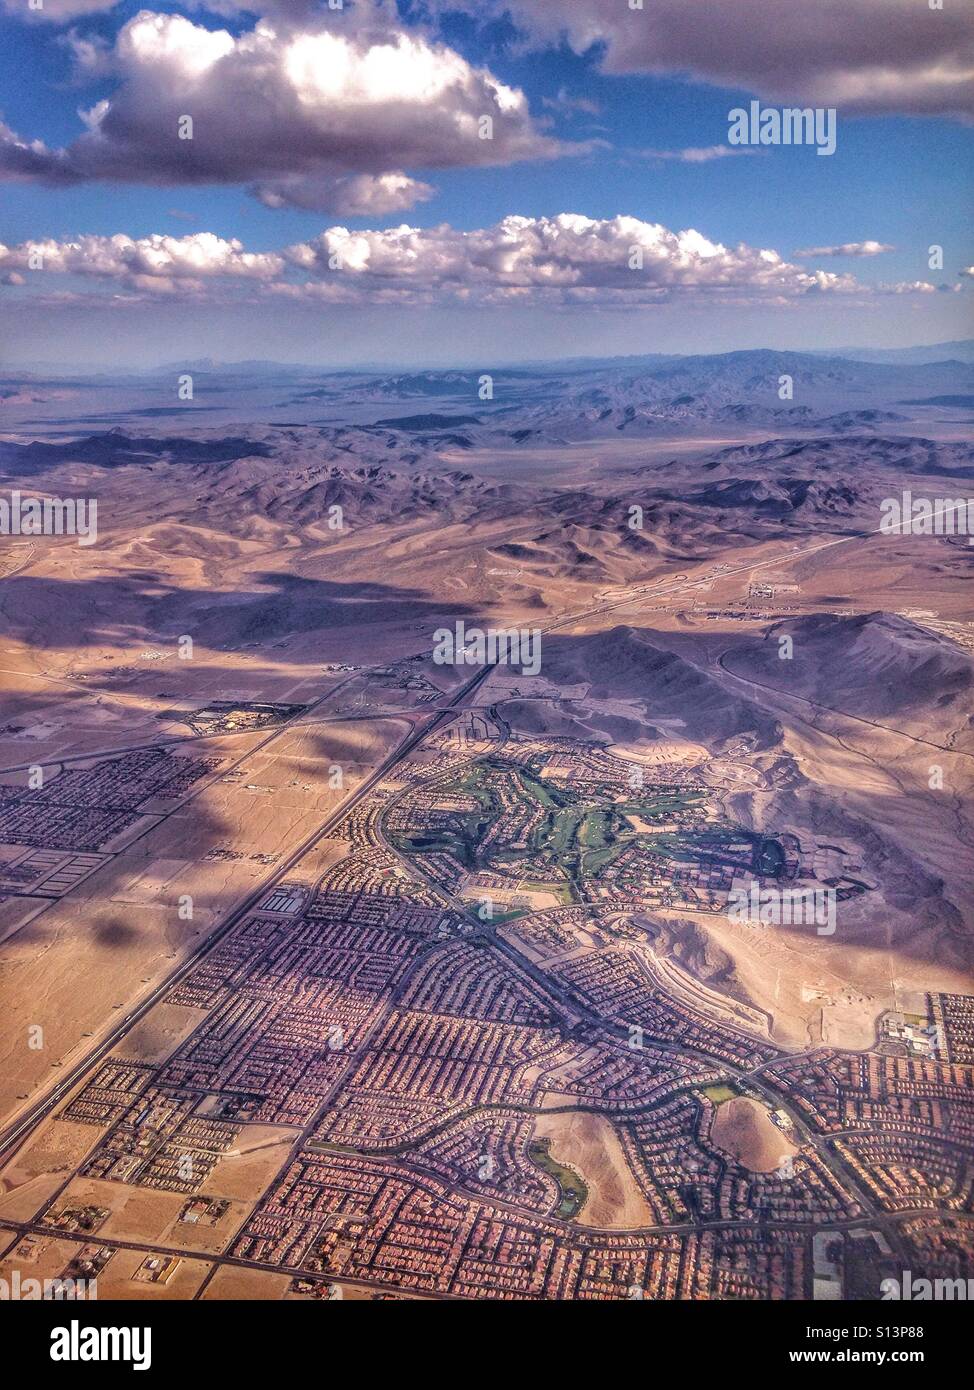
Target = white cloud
(299,113)
(848,248)
(611,262)
(700,154)
(564,253)
(357,195)
(908,287)
(154,264)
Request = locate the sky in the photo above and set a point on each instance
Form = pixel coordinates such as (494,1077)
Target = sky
(459,182)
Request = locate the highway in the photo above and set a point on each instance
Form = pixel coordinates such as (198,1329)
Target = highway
(18,1130)
(15,1133)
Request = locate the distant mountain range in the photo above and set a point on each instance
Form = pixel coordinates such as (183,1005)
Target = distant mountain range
(957,350)
(729,395)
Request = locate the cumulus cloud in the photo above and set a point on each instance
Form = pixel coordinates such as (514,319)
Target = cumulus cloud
(23,159)
(357,195)
(611,262)
(858,55)
(848,248)
(154,264)
(305,115)
(568,254)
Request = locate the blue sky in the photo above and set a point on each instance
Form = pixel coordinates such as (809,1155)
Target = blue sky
(899,177)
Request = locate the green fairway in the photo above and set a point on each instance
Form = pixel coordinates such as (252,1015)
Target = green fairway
(573,1194)
(565,835)
(718,1094)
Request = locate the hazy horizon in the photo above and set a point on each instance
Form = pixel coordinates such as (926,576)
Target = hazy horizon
(59,368)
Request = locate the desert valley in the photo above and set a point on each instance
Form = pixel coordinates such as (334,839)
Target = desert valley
(643,964)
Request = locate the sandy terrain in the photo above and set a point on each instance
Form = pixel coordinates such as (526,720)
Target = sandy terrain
(159,1033)
(246,1170)
(37,1257)
(44,1257)
(743,1128)
(120,941)
(661,646)
(589,1145)
(117,1280)
(42,1164)
(245,1284)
